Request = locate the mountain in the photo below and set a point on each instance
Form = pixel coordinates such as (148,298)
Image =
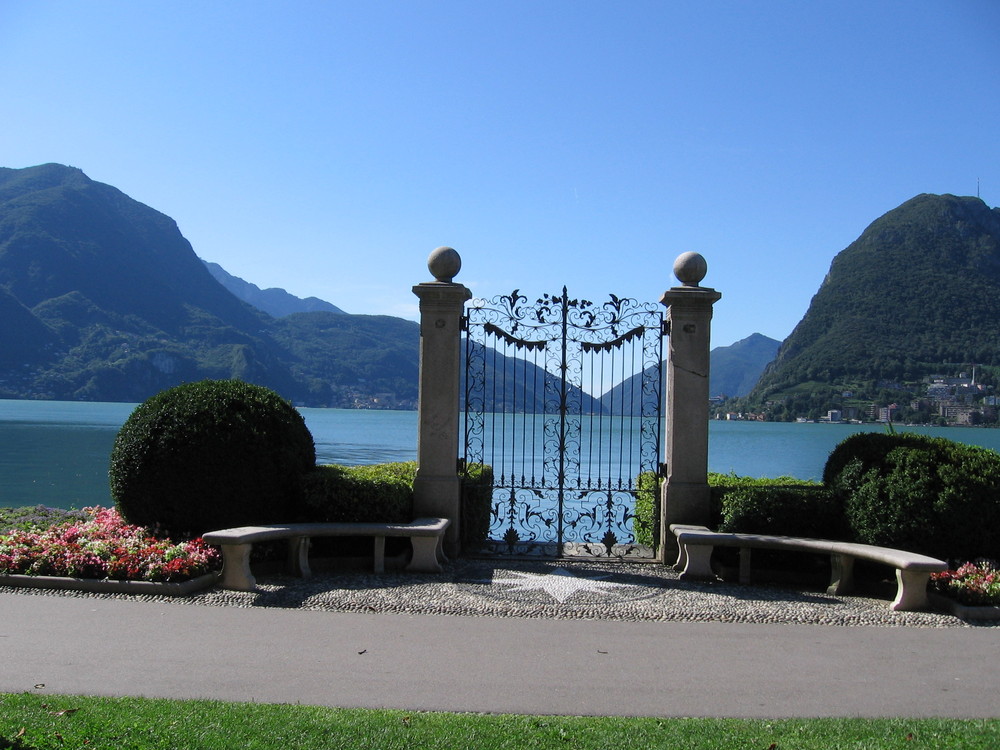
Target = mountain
(917,293)
(275,302)
(734,371)
(103,299)
(737,368)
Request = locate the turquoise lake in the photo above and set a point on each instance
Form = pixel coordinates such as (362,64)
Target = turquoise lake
(56,453)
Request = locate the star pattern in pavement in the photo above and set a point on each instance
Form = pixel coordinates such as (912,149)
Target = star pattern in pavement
(560,584)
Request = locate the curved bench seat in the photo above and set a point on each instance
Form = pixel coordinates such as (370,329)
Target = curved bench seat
(425,534)
(695,544)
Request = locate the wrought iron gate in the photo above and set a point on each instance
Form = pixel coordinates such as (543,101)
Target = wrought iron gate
(563,400)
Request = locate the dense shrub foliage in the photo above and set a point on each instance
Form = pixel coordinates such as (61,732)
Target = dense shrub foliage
(918,493)
(907,491)
(646,521)
(211,455)
(379,493)
(784,506)
(383,493)
(477,505)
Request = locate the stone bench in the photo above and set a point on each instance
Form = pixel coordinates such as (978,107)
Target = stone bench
(425,534)
(695,545)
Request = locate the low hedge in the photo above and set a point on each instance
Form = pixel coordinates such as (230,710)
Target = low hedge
(477,505)
(383,493)
(913,492)
(646,519)
(377,493)
(783,506)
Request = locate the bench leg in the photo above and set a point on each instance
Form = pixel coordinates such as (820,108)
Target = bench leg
(911,592)
(298,556)
(745,558)
(441,556)
(380,554)
(425,554)
(841,574)
(699,563)
(681,558)
(236,574)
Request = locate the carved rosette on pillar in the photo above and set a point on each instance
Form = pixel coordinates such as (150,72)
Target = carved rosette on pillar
(685,497)
(437,490)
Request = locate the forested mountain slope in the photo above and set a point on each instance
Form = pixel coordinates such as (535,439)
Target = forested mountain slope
(917,293)
(103,299)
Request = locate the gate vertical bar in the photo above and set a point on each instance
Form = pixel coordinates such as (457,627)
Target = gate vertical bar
(563,371)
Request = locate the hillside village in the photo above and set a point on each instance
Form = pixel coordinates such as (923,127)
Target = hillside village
(938,399)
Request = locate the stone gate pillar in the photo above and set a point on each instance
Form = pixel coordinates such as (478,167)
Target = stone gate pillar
(437,490)
(685,494)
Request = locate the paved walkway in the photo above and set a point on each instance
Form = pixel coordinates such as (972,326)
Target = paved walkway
(561,650)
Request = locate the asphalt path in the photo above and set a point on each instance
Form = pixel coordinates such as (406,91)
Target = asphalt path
(106,646)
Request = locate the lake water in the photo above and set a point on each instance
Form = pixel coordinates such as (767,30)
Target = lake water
(56,453)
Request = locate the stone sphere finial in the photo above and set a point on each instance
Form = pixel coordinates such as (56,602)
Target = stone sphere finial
(444,263)
(690,268)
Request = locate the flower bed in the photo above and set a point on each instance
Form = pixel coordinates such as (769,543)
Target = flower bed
(104,547)
(972,591)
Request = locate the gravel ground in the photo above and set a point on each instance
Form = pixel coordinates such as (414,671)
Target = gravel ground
(559,590)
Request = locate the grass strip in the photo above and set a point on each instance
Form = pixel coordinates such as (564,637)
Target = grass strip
(39,722)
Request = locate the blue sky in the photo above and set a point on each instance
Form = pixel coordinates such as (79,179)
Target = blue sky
(328,147)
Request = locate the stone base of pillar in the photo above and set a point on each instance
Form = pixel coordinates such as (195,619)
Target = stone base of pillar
(440,497)
(683,502)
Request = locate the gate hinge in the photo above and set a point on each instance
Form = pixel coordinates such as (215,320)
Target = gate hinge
(463,323)
(666,328)
(661,471)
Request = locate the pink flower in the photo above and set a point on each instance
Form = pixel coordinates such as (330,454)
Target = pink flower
(104,547)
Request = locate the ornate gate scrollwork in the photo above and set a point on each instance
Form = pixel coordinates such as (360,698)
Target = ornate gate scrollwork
(563,400)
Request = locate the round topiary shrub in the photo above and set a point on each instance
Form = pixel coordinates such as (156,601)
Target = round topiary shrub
(919,493)
(211,455)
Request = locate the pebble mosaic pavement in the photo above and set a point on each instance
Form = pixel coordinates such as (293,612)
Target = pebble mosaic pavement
(560,590)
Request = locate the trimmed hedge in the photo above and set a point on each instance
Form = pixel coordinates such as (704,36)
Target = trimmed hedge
(783,506)
(377,493)
(210,455)
(918,493)
(477,505)
(383,493)
(922,494)
(646,521)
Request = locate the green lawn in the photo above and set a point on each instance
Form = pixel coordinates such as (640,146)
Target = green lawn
(34,722)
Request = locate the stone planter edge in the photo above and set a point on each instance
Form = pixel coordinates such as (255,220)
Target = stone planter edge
(962,611)
(93,586)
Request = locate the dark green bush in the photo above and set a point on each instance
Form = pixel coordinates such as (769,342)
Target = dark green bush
(477,505)
(919,493)
(785,506)
(378,493)
(646,521)
(801,509)
(870,448)
(211,455)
